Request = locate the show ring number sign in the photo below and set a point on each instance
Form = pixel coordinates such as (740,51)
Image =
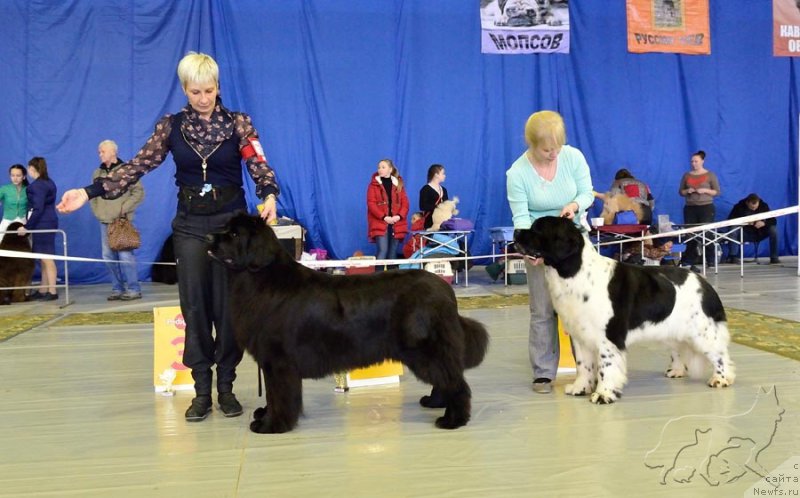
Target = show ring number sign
(168,339)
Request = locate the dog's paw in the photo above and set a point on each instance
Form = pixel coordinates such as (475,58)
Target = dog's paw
(449,421)
(265,425)
(259,413)
(605,397)
(433,401)
(675,373)
(576,389)
(717,380)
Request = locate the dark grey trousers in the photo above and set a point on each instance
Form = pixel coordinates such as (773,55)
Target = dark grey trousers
(203,293)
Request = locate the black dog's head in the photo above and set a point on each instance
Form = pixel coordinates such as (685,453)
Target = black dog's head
(556,240)
(246,243)
(14,242)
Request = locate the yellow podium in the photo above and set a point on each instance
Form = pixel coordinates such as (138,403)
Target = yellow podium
(566,362)
(388,372)
(169,372)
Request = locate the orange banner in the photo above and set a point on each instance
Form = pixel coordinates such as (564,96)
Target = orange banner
(675,26)
(785,28)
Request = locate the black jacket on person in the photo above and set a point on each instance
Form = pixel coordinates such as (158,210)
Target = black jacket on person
(428,200)
(741,209)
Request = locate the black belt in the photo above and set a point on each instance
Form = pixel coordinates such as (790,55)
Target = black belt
(202,200)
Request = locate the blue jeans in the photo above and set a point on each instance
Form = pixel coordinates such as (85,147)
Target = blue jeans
(753,234)
(386,244)
(124,275)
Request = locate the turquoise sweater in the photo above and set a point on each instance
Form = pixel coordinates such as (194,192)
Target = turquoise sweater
(15,204)
(531,197)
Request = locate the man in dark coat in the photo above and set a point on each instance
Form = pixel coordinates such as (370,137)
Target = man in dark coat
(757,230)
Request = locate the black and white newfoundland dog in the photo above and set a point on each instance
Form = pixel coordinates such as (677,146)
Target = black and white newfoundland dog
(606,306)
(299,323)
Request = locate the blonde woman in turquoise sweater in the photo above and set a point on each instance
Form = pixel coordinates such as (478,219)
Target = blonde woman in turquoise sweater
(14,198)
(549,179)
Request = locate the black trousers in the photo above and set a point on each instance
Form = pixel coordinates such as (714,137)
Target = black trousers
(695,215)
(203,293)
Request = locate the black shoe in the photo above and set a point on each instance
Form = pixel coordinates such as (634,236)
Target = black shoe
(48,297)
(34,296)
(774,261)
(543,385)
(229,405)
(201,407)
(495,270)
(695,269)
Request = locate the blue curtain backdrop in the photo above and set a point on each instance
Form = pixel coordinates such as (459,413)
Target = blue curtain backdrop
(334,86)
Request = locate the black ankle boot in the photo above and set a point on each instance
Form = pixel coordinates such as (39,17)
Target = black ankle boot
(200,408)
(229,405)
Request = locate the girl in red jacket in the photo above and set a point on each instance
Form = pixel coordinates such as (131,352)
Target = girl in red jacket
(387,210)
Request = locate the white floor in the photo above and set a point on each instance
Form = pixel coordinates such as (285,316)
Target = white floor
(79,418)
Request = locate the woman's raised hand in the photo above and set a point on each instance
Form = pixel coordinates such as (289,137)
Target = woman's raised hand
(72,200)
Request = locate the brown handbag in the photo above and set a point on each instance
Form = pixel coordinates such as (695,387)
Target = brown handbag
(122,235)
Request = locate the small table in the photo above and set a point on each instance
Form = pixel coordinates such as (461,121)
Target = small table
(713,236)
(619,234)
(454,243)
(502,237)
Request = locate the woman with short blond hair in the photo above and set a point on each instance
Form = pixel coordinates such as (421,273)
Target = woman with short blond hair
(549,179)
(208,143)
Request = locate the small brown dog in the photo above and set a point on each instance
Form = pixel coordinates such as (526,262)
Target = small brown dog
(613,204)
(15,272)
(443,212)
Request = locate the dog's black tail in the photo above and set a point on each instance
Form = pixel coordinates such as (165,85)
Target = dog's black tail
(476,341)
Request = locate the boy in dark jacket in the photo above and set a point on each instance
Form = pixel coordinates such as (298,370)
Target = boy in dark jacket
(757,230)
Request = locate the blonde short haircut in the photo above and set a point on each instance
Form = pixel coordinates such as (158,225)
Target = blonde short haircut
(543,127)
(109,143)
(198,68)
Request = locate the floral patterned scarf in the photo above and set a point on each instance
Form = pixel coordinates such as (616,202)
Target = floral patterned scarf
(205,135)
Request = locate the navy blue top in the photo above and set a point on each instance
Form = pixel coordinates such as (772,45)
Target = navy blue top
(42,205)
(224,165)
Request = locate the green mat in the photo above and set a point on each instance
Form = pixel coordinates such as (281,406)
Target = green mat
(492,301)
(764,332)
(13,325)
(755,330)
(111,318)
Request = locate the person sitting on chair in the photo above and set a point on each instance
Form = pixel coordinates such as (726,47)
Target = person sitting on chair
(755,231)
(636,190)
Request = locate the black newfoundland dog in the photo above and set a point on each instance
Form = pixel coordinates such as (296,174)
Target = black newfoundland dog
(15,272)
(300,323)
(606,306)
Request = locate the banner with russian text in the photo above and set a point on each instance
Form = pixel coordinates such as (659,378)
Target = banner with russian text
(525,26)
(785,28)
(674,26)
